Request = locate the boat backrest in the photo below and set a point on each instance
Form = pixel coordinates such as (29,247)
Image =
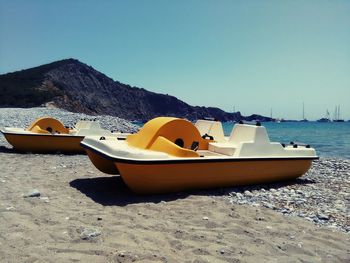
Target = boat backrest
(48,124)
(179,131)
(248,133)
(87,125)
(85,128)
(212,128)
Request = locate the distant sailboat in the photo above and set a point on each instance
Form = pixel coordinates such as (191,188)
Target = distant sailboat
(272,119)
(327,118)
(337,115)
(304,119)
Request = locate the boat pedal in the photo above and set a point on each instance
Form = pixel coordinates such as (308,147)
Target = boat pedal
(195,146)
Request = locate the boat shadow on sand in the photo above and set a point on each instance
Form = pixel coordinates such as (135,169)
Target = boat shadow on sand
(112,191)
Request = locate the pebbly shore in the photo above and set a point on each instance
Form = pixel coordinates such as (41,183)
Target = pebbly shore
(322,196)
(23,117)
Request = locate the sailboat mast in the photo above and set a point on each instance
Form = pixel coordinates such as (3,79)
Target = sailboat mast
(303,111)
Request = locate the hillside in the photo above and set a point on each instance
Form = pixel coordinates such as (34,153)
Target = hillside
(75,86)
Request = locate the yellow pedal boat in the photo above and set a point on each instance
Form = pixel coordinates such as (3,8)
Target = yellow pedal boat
(50,135)
(171,154)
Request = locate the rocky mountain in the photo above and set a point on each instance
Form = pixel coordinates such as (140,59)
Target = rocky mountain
(75,86)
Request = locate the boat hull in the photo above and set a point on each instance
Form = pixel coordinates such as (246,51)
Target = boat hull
(147,178)
(103,164)
(45,143)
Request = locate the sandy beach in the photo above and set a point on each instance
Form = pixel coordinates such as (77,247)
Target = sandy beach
(60,208)
(83,216)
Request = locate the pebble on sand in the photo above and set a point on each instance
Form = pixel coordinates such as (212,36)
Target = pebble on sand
(88,234)
(33,193)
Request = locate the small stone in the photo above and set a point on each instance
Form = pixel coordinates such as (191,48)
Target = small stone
(205,218)
(285,211)
(269,205)
(10,208)
(300,201)
(45,199)
(99,218)
(242,202)
(239,196)
(89,233)
(248,193)
(323,217)
(33,193)
(222,251)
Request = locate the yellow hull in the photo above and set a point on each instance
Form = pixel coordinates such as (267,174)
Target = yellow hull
(103,164)
(45,143)
(173,177)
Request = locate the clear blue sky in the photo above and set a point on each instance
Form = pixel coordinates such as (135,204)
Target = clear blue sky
(251,55)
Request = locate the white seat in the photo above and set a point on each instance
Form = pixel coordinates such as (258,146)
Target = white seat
(222,148)
(212,128)
(85,128)
(243,138)
(248,133)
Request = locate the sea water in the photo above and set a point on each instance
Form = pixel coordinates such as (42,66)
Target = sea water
(330,139)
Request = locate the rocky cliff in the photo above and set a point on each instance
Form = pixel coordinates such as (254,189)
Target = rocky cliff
(77,87)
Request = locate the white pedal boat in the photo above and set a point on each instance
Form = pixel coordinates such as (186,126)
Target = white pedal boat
(170,155)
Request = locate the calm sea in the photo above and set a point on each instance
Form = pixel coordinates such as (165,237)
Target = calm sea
(329,139)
